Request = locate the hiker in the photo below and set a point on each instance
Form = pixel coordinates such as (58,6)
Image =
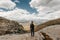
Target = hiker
(32,28)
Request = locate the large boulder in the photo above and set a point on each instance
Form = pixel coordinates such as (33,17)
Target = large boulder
(10,26)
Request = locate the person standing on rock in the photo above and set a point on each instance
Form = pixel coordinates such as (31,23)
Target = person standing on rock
(32,28)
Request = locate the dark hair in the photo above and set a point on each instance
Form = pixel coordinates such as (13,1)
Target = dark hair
(31,22)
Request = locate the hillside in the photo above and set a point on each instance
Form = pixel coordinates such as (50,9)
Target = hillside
(48,23)
(10,26)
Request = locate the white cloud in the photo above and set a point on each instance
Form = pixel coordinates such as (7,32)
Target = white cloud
(18,14)
(48,9)
(16,1)
(7,4)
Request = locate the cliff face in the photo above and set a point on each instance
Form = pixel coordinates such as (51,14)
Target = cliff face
(9,26)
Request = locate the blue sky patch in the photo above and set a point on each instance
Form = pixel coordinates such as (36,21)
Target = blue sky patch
(24,4)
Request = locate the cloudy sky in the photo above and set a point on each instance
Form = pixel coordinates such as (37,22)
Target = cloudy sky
(27,10)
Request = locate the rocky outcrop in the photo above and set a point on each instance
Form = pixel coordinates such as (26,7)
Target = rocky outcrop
(46,37)
(10,26)
(49,23)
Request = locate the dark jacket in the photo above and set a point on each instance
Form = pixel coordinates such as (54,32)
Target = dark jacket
(31,26)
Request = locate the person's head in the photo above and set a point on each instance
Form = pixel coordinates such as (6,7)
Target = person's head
(31,22)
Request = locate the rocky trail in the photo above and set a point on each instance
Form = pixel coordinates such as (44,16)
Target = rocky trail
(51,31)
(21,37)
